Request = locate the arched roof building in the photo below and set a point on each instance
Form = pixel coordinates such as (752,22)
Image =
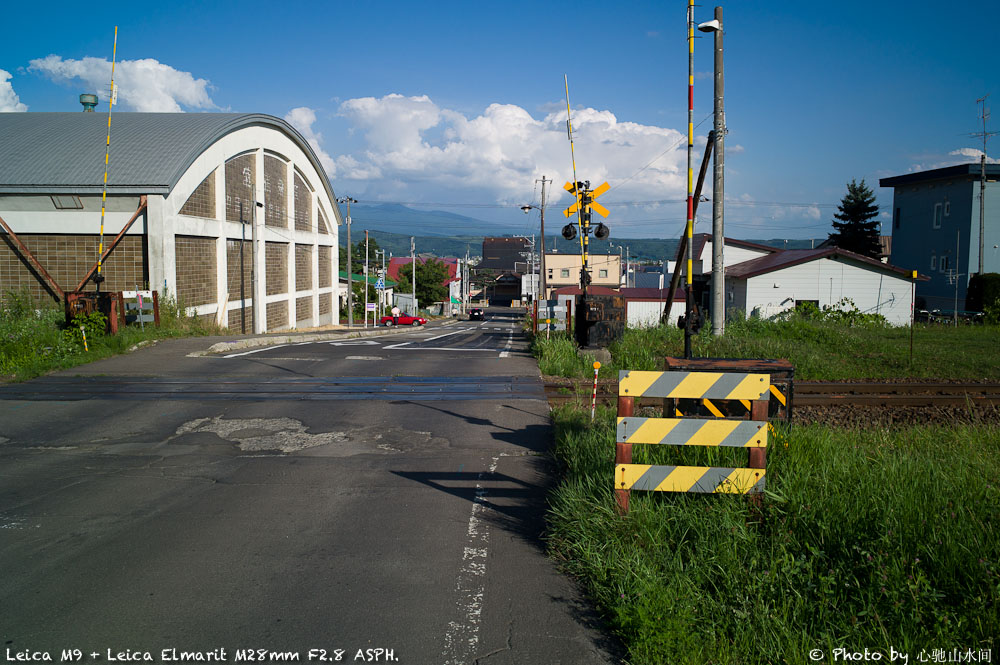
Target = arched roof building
(201,181)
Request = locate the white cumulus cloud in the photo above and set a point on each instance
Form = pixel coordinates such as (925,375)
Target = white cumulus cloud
(143,85)
(303,118)
(411,141)
(8,98)
(973,155)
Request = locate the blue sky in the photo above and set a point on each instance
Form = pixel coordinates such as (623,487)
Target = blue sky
(460,105)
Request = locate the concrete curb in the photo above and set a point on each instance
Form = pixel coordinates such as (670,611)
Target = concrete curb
(274,340)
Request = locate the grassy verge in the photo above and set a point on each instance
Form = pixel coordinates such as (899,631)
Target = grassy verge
(868,539)
(819,350)
(34,339)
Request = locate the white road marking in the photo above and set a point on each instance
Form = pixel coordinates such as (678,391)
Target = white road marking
(247,353)
(453,332)
(461,640)
(362,342)
(363,358)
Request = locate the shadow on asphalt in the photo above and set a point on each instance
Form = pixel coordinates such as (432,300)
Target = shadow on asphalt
(518,508)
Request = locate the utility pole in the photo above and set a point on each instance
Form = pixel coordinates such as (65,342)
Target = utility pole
(689,230)
(541,276)
(984,114)
(413,273)
(243,290)
(258,293)
(366,278)
(350,250)
(718,181)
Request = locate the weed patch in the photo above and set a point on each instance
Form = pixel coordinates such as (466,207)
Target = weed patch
(868,539)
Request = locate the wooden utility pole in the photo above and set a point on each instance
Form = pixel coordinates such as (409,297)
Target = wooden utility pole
(541,277)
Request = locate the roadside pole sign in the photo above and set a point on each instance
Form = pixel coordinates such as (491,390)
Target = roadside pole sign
(370,307)
(380,284)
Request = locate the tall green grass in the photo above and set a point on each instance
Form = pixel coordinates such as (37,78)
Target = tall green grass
(819,350)
(34,340)
(867,539)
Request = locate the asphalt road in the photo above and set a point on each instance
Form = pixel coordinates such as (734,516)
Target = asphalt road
(312,499)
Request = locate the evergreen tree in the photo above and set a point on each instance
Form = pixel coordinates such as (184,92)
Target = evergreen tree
(856,229)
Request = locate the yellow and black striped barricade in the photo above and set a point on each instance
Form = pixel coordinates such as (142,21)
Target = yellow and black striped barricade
(782,375)
(750,434)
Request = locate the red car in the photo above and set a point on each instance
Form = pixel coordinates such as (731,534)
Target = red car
(404,320)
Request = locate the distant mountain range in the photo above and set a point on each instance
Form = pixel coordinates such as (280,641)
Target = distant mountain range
(401,219)
(450,234)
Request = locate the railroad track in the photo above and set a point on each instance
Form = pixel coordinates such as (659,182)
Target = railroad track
(822,393)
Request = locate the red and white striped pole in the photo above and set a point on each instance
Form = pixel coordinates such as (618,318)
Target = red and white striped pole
(593,395)
(689,234)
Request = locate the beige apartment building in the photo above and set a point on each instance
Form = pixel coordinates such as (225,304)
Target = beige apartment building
(564,270)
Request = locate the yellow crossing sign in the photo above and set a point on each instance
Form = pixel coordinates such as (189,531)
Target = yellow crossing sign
(593,205)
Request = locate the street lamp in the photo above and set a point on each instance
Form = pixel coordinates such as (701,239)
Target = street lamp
(526,208)
(350,282)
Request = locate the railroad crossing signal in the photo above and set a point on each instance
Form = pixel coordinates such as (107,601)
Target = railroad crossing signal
(579,191)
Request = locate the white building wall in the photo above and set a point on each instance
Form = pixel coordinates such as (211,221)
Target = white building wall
(828,281)
(642,314)
(165,221)
(731,255)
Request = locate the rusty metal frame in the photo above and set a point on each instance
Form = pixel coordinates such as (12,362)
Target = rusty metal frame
(34,261)
(114,243)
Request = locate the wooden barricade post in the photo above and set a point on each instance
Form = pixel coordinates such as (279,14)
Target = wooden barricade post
(752,389)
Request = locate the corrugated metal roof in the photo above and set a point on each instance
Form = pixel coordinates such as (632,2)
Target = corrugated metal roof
(790,257)
(64,152)
(964,171)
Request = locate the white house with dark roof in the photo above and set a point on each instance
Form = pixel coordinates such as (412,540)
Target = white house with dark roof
(771,284)
(196,184)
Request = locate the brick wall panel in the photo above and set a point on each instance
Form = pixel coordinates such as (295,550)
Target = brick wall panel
(303,308)
(325,267)
(303,267)
(67,258)
(233,268)
(236,323)
(325,303)
(196,270)
(276,267)
(277,315)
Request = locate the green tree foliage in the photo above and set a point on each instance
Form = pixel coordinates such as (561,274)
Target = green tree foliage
(431,275)
(358,256)
(856,229)
(984,291)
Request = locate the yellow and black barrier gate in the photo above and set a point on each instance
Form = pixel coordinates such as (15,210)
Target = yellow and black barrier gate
(751,389)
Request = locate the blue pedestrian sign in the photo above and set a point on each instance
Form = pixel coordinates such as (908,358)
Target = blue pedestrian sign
(380,284)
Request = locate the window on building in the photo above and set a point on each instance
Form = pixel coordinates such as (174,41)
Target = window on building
(947,208)
(943,264)
(937,215)
(895,219)
(67,202)
(564,272)
(602,273)
(933,262)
